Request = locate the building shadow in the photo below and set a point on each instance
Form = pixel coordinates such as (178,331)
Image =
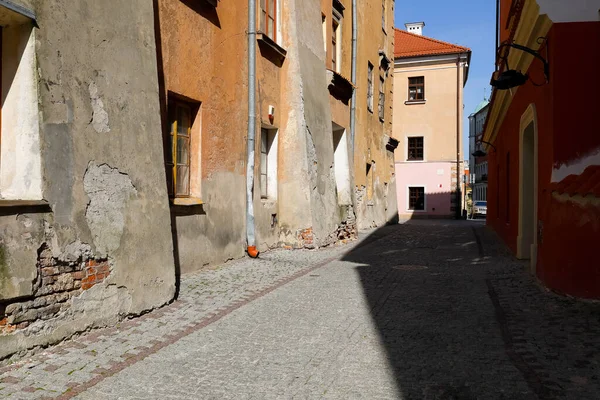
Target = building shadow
(418,280)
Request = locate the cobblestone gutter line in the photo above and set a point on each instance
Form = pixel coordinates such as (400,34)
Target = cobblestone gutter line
(66,370)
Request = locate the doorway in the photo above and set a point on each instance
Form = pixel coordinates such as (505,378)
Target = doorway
(527,239)
(341,164)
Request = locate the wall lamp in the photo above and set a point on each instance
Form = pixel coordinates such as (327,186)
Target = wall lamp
(481,153)
(511,78)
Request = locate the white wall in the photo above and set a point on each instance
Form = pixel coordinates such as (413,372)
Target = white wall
(570,10)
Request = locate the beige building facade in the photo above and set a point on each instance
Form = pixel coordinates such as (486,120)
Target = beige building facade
(429,76)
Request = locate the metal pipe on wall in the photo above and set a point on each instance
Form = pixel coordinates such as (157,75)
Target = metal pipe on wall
(458,114)
(353,78)
(250,230)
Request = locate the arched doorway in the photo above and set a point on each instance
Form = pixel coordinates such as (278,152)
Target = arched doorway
(528,185)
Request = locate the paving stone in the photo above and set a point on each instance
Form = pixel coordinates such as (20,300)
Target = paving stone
(423,310)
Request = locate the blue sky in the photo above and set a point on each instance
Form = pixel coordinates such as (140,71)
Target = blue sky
(471,24)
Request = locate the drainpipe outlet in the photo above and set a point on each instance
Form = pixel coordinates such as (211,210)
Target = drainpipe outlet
(253,252)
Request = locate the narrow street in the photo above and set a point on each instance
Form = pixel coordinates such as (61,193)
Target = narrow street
(423,310)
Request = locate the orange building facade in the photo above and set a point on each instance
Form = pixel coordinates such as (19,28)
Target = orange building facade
(310,188)
(544,158)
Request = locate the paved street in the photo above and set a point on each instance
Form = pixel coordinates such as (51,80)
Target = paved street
(423,310)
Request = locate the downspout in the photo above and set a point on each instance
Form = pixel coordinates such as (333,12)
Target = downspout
(250,237)
(458,113)
(353,79)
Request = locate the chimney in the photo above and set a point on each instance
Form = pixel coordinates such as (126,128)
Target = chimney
(415,27)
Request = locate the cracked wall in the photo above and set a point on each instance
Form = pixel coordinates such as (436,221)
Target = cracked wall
(101,249)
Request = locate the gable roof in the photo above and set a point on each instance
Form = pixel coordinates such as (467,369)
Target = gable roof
(408,44)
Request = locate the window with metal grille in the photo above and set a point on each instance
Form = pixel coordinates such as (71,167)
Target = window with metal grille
(268,18)
(416,88)
(370,88)
(416,198)
(415,148)
(381,98)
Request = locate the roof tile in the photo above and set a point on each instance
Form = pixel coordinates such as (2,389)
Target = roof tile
(410,45)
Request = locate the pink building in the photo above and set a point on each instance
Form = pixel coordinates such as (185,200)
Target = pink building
(429,76)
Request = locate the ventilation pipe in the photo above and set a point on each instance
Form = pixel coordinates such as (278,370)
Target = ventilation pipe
(250,235)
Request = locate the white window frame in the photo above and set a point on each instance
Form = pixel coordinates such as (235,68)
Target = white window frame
(269,139)
(337,17)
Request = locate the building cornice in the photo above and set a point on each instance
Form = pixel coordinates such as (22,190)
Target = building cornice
(530,27)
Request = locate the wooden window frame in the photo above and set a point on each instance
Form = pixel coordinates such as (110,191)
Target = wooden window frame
(268,14)
(413,147)
(414,85)
(174,164)
(413,205)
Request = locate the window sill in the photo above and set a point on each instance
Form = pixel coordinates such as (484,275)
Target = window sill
(414,161)
(22,203)
(271,46)
(186,201)
(409,102)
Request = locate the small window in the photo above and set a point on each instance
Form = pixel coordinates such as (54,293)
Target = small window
(415,148)
(268,18)
(381,98)
(416,198)
(370,88)
(416,89)
(369,181)
(324,24)
(268,163)
(334,46)
(178,159)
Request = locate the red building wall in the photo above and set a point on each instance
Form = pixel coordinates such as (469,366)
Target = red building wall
(568,121)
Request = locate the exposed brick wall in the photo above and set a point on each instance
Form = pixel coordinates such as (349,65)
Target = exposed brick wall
(56,283)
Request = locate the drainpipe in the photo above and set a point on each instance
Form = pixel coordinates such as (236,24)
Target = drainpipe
(458,215)
(353,79)
(250,237)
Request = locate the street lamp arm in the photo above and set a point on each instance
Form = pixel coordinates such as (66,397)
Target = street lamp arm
(483,141)
(532,52)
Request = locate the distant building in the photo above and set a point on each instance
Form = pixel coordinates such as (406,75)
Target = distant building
(429,76)
(479,165)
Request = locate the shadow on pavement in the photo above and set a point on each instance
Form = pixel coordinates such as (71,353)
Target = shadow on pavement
(456,323)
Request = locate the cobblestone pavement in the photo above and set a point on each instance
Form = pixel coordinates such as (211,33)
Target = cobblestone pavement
(423,310)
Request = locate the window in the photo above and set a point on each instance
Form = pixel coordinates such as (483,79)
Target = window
(334,50)
(415,148)
(381,98)
(369,181)
(268,163)
(324,23)
(20,153)
(370,88)
(268,18)
(416,89)
(178,160)
(416,198)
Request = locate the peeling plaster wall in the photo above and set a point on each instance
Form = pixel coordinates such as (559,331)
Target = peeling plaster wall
(372,133)
(308,188)
(103,177)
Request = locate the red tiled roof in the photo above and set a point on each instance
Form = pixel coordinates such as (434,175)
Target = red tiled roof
(588,183)
(408,44)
